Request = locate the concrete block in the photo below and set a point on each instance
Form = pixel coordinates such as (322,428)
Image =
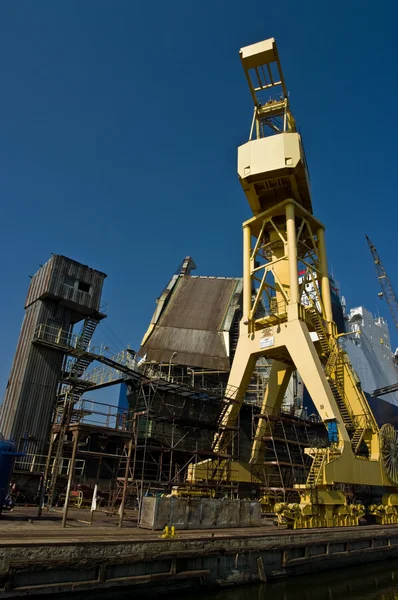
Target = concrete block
(198,513)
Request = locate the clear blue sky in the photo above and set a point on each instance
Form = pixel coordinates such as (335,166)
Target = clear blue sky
(119,123)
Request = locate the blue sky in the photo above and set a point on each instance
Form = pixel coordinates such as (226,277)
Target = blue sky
(119,123)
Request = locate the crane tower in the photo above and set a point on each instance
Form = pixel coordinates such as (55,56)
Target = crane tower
(289,320)
(387,291)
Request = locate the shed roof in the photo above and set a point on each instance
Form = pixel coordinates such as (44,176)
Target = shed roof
(193,322)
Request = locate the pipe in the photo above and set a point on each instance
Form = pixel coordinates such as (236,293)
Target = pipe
(125,482)
(292,254)
(70,478)
(247,284)
(325,283)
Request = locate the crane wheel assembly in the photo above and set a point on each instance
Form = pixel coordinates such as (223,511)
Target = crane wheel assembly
(389,451)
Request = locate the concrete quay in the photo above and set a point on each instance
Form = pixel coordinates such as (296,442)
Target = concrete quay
(39,558)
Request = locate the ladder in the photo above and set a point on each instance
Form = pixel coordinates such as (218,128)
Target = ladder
(65,413)
(121,472)
(67,398)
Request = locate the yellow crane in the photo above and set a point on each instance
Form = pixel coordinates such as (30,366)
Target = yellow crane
(290,322)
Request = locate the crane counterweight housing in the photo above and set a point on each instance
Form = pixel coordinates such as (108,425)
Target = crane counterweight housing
(272,168)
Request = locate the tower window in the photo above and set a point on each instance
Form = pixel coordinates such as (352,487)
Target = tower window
(69,281)
(84,287)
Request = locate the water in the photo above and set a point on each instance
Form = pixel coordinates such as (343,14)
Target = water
(378,581)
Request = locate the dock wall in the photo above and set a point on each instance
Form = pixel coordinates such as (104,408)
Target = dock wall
(38,568)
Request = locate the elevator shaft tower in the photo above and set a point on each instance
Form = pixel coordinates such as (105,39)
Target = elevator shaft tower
(61,294)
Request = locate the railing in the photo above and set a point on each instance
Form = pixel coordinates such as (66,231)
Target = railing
(207,385)
(36,463)
(90,412)
(101,414)
(55,335)
(270,310)
(367,414)
(331,362)
(104,308)
(104,374)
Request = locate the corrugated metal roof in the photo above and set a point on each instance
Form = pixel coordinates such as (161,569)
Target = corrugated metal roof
(192,324)
(199,303)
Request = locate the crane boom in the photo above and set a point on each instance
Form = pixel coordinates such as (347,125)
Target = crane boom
(385,283)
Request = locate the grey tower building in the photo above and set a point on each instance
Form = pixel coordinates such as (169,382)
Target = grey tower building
(62,293)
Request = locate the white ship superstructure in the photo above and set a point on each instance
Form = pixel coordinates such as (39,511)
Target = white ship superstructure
(370,352)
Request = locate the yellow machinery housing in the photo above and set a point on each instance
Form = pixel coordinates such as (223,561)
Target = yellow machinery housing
(290,320)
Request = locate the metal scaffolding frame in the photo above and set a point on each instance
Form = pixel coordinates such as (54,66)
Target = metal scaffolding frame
(173,427)
(285,462)
(170,427)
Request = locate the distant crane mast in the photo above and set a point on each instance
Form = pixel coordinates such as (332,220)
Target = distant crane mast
(392,301)
(385,284)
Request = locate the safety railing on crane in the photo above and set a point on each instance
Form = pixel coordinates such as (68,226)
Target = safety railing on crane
(267,310)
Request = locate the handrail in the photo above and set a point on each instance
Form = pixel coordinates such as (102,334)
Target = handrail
(36,463)
(56,335)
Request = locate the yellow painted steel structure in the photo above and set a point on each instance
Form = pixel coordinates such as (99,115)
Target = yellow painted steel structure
(288,318)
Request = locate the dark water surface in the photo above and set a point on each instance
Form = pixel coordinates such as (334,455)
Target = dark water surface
(378,581)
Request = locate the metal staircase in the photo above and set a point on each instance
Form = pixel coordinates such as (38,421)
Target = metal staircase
(357,438)
(316,467)
(80,363)
(318,325)
(341,404)
(339,373)
(334,371)
(356,425)
(221,441)
(331,362)
(71,393)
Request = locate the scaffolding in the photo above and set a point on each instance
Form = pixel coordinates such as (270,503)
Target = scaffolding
(175,415)
(145,449)
(285,463)
(173,427)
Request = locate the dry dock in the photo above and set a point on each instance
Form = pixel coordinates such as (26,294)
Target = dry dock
(39,557)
